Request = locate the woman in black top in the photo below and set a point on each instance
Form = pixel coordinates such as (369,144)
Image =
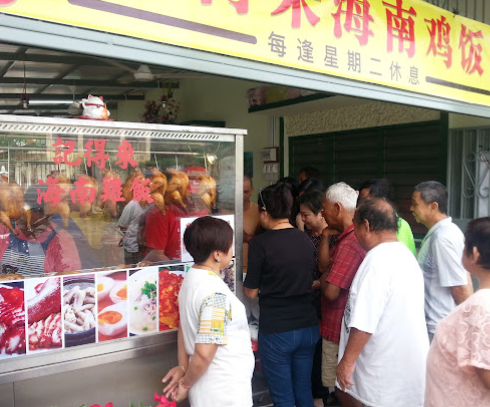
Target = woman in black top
(280,265)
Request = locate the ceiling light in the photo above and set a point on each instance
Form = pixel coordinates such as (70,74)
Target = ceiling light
(51,102)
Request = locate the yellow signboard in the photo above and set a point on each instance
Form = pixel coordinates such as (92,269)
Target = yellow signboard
(407,44)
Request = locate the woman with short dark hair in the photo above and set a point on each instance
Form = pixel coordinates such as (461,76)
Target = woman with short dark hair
(215,355)
(458,365)
(280,264)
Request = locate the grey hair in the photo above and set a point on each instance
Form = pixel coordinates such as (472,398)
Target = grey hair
(433,191)
(343,194)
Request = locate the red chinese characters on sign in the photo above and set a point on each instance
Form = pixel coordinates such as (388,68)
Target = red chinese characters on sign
(470,53)
(241,6)
(111,190)
(400,27)
(357,19)
(297,6)
(440,36)
(99,155)
(50,195)
(141,190)
(125,155)
(82,193)
(62,151)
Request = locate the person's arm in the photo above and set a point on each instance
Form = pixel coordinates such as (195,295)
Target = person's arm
(356,343)
(329,290)
(461,292)
(450,270)
(247,237)
(203,356)
(156,255)
(255,260)
(176,373)
(251,293)
(324,250)
(484,376)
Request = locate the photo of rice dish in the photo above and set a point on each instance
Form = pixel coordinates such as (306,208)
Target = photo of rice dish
(142,296)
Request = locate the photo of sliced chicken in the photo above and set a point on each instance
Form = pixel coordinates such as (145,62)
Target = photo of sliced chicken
(11,204)
(177,188)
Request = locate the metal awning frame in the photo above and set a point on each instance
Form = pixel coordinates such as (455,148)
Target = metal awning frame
(42,34)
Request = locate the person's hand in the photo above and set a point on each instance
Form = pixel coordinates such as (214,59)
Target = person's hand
(315,285)
(120,244)
(174,375)
(180,393)
(344,373)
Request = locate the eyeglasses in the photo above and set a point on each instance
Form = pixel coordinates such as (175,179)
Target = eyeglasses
(262,199)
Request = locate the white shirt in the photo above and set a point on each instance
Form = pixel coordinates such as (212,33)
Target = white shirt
(228,380)
(440,259)
(386,299)
(130,219)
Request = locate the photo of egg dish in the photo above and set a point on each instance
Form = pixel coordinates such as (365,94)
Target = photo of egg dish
(143,301)
(112,317)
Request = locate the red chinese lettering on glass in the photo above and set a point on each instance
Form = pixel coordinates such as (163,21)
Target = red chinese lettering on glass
(141,190)
(241,6)
(82,193)
(357,19)
(400,27)
(297,6)
(99,155)
(125,155)
(62,151)
(111,190)
(440,37)
(50,195)
(470,53)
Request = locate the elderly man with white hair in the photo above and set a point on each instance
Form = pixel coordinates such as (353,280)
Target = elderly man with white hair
(338,266)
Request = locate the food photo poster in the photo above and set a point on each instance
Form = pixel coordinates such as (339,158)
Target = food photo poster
(51,313)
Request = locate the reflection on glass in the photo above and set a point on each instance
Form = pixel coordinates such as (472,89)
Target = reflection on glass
(71,203)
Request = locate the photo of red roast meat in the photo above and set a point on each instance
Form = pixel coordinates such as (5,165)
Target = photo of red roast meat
(12,321)
(44,315)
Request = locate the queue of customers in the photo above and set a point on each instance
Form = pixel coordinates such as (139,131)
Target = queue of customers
(350,313)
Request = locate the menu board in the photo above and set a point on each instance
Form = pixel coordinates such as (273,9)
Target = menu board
(51,313)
